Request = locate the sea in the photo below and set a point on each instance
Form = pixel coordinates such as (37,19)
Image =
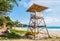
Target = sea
(49,27)
(53,27)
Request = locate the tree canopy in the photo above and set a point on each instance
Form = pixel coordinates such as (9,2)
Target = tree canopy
(7,6)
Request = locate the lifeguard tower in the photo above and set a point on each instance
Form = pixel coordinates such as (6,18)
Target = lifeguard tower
(37,22)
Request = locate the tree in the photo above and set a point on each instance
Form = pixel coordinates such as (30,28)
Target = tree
(0,22)
(5,7)
(9,22)
(16,23)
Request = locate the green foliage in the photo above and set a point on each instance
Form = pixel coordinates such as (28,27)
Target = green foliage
(16,23)
(14,34)
(11,35)
(0,22)
(9,22)
(20,32)
(7,18)
(24,25)
(5,7)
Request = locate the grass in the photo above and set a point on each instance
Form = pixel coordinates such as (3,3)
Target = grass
(14,34)
(18,31)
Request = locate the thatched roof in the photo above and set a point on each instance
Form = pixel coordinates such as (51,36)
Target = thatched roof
(36,8)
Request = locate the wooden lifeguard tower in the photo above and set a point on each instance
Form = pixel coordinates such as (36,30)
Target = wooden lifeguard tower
(36,20)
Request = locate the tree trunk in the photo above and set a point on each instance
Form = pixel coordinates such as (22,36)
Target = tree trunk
(3,22)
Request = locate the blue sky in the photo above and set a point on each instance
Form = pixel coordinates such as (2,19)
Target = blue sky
(51,15)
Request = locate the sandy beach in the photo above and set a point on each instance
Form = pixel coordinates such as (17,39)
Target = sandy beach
(54,33)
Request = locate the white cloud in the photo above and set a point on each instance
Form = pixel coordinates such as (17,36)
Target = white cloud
(52,21)
(44,2)
(40,2)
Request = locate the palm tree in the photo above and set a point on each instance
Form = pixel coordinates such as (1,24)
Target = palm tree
(5,7)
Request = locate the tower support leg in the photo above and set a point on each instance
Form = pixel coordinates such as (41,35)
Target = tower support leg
(34,24)
(46,28)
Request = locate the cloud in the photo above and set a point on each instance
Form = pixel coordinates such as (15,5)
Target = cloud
(44,2)
(40,2)
(52,21)
(53,6)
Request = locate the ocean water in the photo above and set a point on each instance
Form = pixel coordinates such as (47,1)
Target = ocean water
(53,27)
(49,27)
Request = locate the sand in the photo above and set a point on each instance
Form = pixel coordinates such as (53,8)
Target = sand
(54,33)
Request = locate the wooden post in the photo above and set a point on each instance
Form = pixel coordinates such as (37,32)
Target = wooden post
(46,28)
(3,22)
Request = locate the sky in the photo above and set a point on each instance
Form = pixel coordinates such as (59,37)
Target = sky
(51,15)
